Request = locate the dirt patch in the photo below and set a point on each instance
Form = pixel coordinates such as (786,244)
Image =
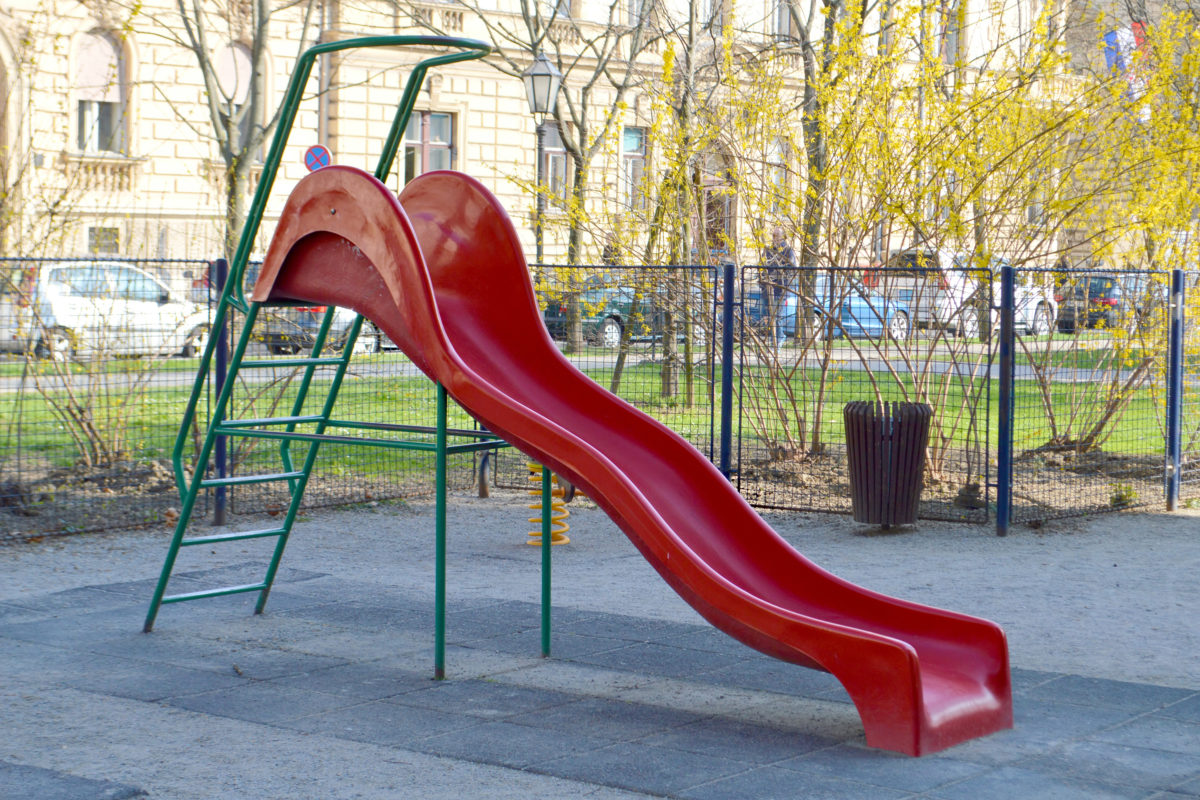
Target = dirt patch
(139,494)
(1045,486)
(125,495)
(822,483)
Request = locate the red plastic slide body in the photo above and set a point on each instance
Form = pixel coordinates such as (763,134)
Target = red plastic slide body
(441,271)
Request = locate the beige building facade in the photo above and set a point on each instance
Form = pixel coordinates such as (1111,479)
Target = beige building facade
(108,140)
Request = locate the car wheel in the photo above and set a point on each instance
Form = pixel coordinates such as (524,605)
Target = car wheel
(1041,324)
(55,345)
(283,349)
(368,340)
(610,333)
(899,327)
(969,327)
(196,342)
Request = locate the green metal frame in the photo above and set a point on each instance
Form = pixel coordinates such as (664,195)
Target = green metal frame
(285,429)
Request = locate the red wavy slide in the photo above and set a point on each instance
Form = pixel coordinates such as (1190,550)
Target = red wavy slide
(441,271)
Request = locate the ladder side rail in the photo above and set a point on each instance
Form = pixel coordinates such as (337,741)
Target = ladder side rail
(188,498)
(299,484)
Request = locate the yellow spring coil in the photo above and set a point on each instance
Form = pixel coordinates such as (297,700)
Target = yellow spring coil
(558,509)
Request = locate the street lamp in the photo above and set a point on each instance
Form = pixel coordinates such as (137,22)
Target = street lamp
(541,89)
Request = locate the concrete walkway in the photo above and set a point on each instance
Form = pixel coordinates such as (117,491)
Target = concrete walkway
(329,693)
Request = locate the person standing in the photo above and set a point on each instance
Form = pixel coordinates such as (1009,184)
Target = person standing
(777,258)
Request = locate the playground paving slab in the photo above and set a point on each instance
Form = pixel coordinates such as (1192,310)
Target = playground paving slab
(330,693)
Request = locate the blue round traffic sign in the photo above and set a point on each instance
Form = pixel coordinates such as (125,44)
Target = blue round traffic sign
(316,157)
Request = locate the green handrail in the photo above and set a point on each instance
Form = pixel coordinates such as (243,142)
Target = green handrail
(234,290)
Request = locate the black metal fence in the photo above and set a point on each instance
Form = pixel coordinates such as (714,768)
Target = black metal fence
(811,341)
(87,430)
(1089,401)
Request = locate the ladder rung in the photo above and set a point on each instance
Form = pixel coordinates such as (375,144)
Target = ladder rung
(232,537)
(285,304)
(179,598)
(255,423)
(478,433)
(243,479)
(330,361)
(297,436)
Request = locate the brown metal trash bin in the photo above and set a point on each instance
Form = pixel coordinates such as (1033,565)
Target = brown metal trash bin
(885,448)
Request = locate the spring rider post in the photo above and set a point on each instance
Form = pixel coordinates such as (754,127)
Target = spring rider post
(558,509)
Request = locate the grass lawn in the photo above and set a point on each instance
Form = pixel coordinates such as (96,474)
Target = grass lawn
(147,422)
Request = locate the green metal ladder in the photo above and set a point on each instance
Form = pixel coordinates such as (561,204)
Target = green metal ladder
(287,429)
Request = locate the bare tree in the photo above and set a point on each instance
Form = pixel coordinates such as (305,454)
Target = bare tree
(229,39)
(598,60)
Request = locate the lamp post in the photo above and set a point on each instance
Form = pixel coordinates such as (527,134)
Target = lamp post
(541,89)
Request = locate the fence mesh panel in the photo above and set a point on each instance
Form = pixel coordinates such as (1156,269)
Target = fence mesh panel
(90,415)
(811,341)
(1089,416)
(97,357)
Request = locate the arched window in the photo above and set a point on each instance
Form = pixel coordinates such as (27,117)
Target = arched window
(100,94)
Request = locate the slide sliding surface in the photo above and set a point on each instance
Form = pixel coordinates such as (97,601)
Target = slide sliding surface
(440,270)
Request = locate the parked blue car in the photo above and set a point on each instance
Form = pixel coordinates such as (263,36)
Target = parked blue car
(844,306)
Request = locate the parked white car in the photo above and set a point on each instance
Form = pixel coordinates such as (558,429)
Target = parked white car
(62,308)
(940,291)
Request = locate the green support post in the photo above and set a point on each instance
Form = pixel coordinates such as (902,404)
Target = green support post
(439,588)
(547,509)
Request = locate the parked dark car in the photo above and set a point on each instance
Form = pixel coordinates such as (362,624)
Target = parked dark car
(1094,300)
(605,312)
(292,329)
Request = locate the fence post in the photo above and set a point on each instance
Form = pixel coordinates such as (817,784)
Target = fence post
(1004,446)
(1174,453)
(221,369)
(726,369)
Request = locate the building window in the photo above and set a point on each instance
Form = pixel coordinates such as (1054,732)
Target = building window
(720,206)
(951,29)
(1035,212)
(636,9)
(886,23)
(428,143)
(633,167)
(783,21)
(555,170)
(559,8)
(104,241)
(99,95)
